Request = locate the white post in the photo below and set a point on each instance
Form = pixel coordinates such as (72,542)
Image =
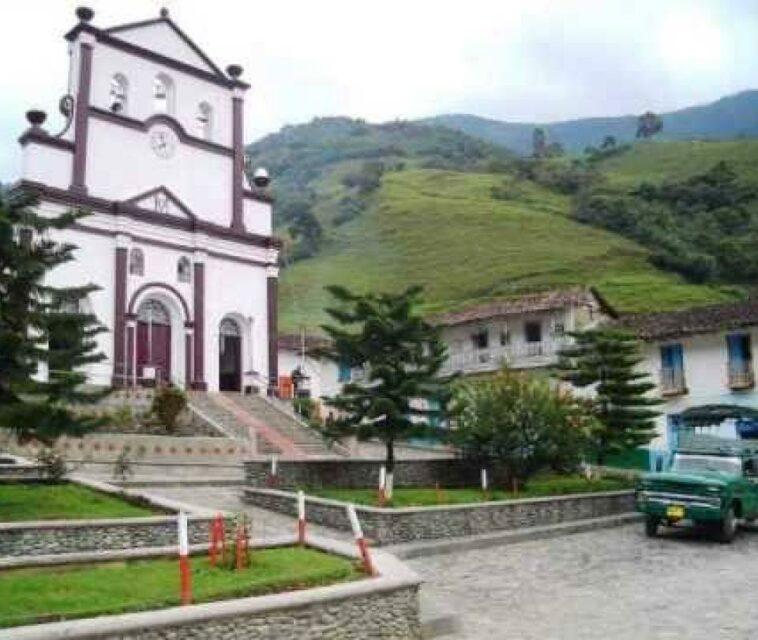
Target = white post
(354,522)
(274,465)
(301,517)
(484,479)
(183,534)
(382,477)
(389,482)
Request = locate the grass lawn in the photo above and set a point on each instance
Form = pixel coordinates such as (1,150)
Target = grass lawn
(66,501)
(29,596)
(548,485)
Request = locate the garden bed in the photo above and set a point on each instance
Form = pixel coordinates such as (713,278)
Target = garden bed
(34,501)
(407,524)
(45,594)
(287,592)
(541,486)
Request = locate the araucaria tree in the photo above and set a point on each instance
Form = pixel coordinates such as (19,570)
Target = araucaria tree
(607,360)
(44,336)
(400,356)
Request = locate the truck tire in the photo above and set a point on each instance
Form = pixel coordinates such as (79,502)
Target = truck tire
(651,526)
(728,526)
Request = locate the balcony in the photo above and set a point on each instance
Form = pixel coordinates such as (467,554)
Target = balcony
(740,375)
(524,355)
(672,382)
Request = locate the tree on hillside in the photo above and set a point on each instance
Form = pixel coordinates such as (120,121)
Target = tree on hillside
(400,355)
(519,424)
(648,124)
(539,143)
(606,359)
(41,326)
(609,142)
(306,231)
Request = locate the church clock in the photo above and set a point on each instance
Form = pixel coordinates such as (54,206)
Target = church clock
(163,142)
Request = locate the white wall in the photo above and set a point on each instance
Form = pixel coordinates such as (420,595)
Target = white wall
(257,217)
(322,373)
(48,165)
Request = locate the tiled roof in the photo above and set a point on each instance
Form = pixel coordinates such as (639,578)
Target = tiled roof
(696,320)
(543,301)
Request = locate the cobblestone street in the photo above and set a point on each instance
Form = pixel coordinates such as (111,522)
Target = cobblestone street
(611,584)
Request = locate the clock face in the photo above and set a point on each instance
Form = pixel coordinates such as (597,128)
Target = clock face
(163,142)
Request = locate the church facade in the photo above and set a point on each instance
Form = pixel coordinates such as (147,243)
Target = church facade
(178,241)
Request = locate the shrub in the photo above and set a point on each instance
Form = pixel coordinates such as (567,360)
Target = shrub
(168,403)
(53,465)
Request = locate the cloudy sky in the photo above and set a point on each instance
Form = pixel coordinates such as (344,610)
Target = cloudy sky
(528,60)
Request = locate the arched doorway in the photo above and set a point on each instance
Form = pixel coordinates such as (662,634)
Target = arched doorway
(153,342)
(229,356)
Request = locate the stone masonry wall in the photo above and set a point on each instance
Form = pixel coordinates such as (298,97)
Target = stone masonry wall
(391,526)
(356,473)
(388,615)
(41,538)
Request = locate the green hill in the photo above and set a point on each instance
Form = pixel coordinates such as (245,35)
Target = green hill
(734,116)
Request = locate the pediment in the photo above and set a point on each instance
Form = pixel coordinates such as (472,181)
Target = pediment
(161,200)
(162,36)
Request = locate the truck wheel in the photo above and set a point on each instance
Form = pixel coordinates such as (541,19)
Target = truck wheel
(651,527)
(728,528)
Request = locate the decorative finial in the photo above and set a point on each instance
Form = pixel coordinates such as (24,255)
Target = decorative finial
(261,178)
(85,14)
(234,71)
(36,117)
(164,12)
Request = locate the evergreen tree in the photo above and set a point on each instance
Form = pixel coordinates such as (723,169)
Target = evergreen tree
(400,355)
(607,359)
(41,328)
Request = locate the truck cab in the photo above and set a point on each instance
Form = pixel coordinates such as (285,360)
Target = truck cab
(707,483)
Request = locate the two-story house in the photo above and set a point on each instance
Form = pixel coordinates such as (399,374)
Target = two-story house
(701,360)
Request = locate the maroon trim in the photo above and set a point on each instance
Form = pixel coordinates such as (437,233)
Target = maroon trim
(260,196)
(169,194)
(238,169)
(272,291)
(160,118)
(119,308)
(130,338)
(39,136)
(147,54)
(81,126)
(179,32)
(158,285)
(199,332)
(169,245)
(68,197)
(187,360)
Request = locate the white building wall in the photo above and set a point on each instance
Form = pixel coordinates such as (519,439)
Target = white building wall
(47,165)
(257,217)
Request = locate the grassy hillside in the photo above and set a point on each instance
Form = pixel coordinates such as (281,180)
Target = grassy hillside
(730,117)
(443,229)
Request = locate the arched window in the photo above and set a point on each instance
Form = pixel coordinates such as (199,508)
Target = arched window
(163,94)
(119,95)
(184,270)
(205,121)
(153,312)
(229,327)
(137,262)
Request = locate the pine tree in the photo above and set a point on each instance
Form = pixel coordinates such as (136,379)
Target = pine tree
(41,327)
(400,355)
(607,359)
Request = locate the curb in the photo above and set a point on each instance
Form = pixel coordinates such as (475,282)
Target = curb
(467,543)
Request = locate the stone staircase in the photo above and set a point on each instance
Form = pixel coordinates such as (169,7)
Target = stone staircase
(204,407)
(306,440)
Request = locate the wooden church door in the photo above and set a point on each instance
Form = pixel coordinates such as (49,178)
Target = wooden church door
(154,340)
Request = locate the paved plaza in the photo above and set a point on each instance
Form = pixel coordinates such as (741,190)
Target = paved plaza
(612,584)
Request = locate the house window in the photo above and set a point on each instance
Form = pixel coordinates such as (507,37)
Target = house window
(740,360)
(505,337)
(137,262)
(25,237)
(559,329)
(533,331)
(205,121)
(480,339)
(183,270)
(119,93)
(672,368)
(344,372)
(163,94)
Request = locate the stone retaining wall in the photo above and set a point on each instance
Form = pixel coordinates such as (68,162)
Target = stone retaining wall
(355,473)
(71,536)
(392,526)
(384,607)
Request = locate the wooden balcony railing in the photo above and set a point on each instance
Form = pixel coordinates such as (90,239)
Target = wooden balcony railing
(672,382)
(523,355)
(740,375)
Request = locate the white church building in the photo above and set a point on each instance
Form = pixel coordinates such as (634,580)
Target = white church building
(178,241)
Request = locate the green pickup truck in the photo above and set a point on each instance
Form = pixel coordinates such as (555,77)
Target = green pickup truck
(706,484)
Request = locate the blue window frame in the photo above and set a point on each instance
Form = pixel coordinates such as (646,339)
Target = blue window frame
(672,357)
(738,349)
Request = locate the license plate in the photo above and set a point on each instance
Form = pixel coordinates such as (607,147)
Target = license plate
(675,512)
